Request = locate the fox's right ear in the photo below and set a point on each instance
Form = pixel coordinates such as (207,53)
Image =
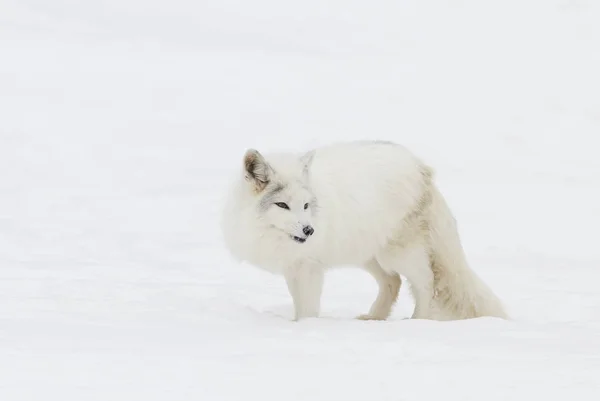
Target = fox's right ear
(257,170)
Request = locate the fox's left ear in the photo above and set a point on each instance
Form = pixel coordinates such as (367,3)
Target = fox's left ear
(306,161)
(257,170)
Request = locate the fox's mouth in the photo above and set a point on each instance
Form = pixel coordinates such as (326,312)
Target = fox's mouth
(298,239)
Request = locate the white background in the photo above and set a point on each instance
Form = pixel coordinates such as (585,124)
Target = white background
(122,120)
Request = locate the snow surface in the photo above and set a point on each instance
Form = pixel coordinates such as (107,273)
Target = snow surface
(121,121)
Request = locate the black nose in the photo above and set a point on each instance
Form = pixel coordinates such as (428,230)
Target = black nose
(308,231)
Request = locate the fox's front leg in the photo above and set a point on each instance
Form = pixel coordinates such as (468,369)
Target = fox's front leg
(305,283)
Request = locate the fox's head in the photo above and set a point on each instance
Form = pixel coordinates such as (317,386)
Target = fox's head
(283,197)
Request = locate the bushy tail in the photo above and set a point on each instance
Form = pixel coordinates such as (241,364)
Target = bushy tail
(459,293)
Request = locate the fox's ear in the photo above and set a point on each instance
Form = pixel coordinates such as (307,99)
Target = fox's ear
(306,161)
(257,170)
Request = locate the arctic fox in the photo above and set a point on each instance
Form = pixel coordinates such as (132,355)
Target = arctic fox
(371,204)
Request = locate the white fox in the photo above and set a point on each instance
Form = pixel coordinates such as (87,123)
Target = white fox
(372,204)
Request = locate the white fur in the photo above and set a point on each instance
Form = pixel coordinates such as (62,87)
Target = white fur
(371,204)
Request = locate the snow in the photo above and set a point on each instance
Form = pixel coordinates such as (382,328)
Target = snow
(122,120)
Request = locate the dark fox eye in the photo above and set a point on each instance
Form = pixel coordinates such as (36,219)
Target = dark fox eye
(305,206)
(282,205)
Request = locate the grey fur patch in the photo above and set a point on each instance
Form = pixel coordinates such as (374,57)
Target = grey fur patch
(270,195)
(423,202)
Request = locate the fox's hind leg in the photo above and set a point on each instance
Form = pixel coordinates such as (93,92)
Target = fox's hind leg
(305,283)
(389,287)
(412,261)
